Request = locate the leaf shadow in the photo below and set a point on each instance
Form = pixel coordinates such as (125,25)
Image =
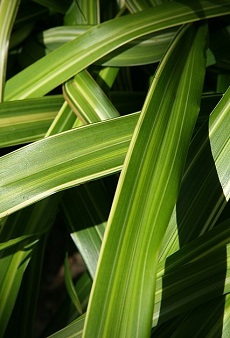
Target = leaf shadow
(197,6)
(196,212)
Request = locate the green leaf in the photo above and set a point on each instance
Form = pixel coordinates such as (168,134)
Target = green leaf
(12,242)
(65,120)
(43,168)
(87,99)
(55,37)
(91,208)
(202,322)
(147,49)
(201,203)
(138,5)
(124,287)
(73,330)
(14,260)
(12,271)
(23,314)
(220,140)
(68,60)
(28,120)
(200,247)
(88,240)
(7,17)
(141,51)
(70,286)
(66,314)
(83,12)
(106,77)
(191,280)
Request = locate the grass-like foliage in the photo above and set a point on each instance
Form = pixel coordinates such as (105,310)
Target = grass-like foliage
(115,126)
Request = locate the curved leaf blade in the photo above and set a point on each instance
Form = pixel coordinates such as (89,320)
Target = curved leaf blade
(122,299)
(43,168)
(87,99)
(7,17)
(212,181)
(28,120)
(137,52)
(66,61)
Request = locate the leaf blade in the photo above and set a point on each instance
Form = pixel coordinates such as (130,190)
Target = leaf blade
(146,194)
(44,165)
(58,66)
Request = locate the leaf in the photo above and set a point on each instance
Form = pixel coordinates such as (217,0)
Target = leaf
(201,203)
(28,120)
(87,99)
(68,60)
(89,239)
(65,120)
(91,208)
(189,285)
(66,314)
(220,140)
(73,330)
(124,286)
(147,49)
(14,261)
(83,12)
(7,17)
(43,168)
(70,286)
(12,242)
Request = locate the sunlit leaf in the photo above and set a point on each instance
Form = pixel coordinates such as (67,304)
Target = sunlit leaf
(146,194)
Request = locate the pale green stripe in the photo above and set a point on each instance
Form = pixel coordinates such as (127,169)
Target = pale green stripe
(146,194)
(76,55)
(7,16)
(28,120)
(43,168)
(87,99)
